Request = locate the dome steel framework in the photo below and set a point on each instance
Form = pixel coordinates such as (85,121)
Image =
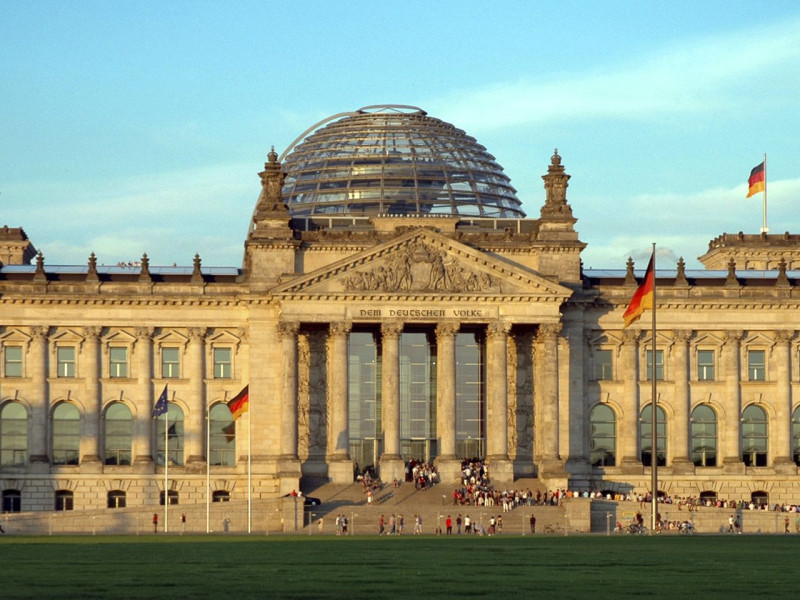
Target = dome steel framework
(393,159)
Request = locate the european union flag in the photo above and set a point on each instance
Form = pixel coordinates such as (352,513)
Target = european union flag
(160,407)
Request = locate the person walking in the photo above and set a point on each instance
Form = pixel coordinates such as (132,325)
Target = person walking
(448,523)
(533,524)
(155,522)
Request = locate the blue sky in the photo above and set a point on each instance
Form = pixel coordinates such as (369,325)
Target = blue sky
(132,127)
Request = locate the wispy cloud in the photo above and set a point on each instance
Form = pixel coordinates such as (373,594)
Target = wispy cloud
(694,75)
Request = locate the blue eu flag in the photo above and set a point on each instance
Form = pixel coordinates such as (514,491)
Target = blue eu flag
(161,404)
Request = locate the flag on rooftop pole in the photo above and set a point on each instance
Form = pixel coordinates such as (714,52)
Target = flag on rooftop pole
(757,181)
(643,298)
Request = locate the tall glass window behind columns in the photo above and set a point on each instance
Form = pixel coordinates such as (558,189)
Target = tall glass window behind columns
(646,436)
(754,436)
(66,434)
(704,436)
(13,434)
(470,396)
(364,399)
(418,396)
(796,435)
(222,436)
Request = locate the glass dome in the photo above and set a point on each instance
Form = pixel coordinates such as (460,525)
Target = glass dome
(394,160)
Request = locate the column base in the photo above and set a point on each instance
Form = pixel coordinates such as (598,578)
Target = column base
(449,468)
(502,469)
(195,464)
(340,470)
(91,463)
(733,466)
(144,464)
(631,466)
(784,465)
(682,466)
(392,467)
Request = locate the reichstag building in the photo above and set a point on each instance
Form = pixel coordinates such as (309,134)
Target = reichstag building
(395,303)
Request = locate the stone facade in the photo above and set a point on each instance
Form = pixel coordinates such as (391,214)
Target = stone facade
(77,342)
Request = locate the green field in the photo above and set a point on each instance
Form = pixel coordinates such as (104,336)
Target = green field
(419,567)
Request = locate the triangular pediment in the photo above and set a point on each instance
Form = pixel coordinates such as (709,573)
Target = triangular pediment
(423,262)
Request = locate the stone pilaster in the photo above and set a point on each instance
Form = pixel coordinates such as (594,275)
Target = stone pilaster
(91,449)
(144,445)
(628,426)
(447,462)
(551,465)
(194,424)
(501,468)
(340,467)
(391,464)
(729,432)
(289,462)
(680,429)
(782,444)
(40,405)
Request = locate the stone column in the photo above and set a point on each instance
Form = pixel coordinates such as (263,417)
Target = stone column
(287,332)
(91,448)
(781,445)
(391,464)
(340,467)
(39,401)
(551,466)
(447,462)
(500,467)
(679,449)
(144,431)
(730,427)
(628,422)
(194,433)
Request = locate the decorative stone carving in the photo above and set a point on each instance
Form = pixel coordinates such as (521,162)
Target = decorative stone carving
(288,329)
(682,335)
(447,329)
(630,336)
(92,334)
(783,337)
(197,334)
(420,267)
(497,328)
(521,396)
(733,337)
(548,332)
(144,333)
(391,329)
(340,328)
(39,333)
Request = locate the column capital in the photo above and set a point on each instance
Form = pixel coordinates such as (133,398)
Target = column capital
(783,336)
(682,335)
(548,332)
(340,328)
(733,336)
(39,332)
(144,333)
(447,329)
(92,333)
(630,336)
(197,334)
(391,329)
(498,328)
(288,329)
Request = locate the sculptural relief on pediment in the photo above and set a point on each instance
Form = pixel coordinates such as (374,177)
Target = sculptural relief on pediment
(421,267)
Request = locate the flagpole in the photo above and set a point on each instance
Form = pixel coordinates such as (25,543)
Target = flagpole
(249,462)
(166,469)
(654,407)
(208,469)
(765,229)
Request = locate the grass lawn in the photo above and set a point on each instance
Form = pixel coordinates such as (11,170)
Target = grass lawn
(237,567)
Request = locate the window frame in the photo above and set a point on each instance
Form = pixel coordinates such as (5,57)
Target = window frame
(219,365)
(755,371)
(601,366)
(65,443)
(69,364)
(15,362)
(118,369)
(703,367)
(168,366)
(649,364)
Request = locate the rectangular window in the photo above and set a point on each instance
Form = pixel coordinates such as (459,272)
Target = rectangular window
(756,365)
(603,364)
(659,365)
(705,365)
(65,359)
(12,361)
(222,363)
(170,363)
(118,361)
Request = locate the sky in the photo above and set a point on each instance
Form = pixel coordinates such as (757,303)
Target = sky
(139,127)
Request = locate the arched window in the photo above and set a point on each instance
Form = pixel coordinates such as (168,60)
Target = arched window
(704,436)
(12,501)
(116,499)
(759,498)
(173,422)
(603,440)
(223,436)
(64,500)
(708,498)
(66,434)
(646,436)
(221,496)
(173,498)
(796,435)
(754,436)
(118,434)
(13,434)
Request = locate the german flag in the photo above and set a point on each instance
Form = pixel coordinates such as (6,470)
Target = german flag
(643,298)
(757,180)
(240,403)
